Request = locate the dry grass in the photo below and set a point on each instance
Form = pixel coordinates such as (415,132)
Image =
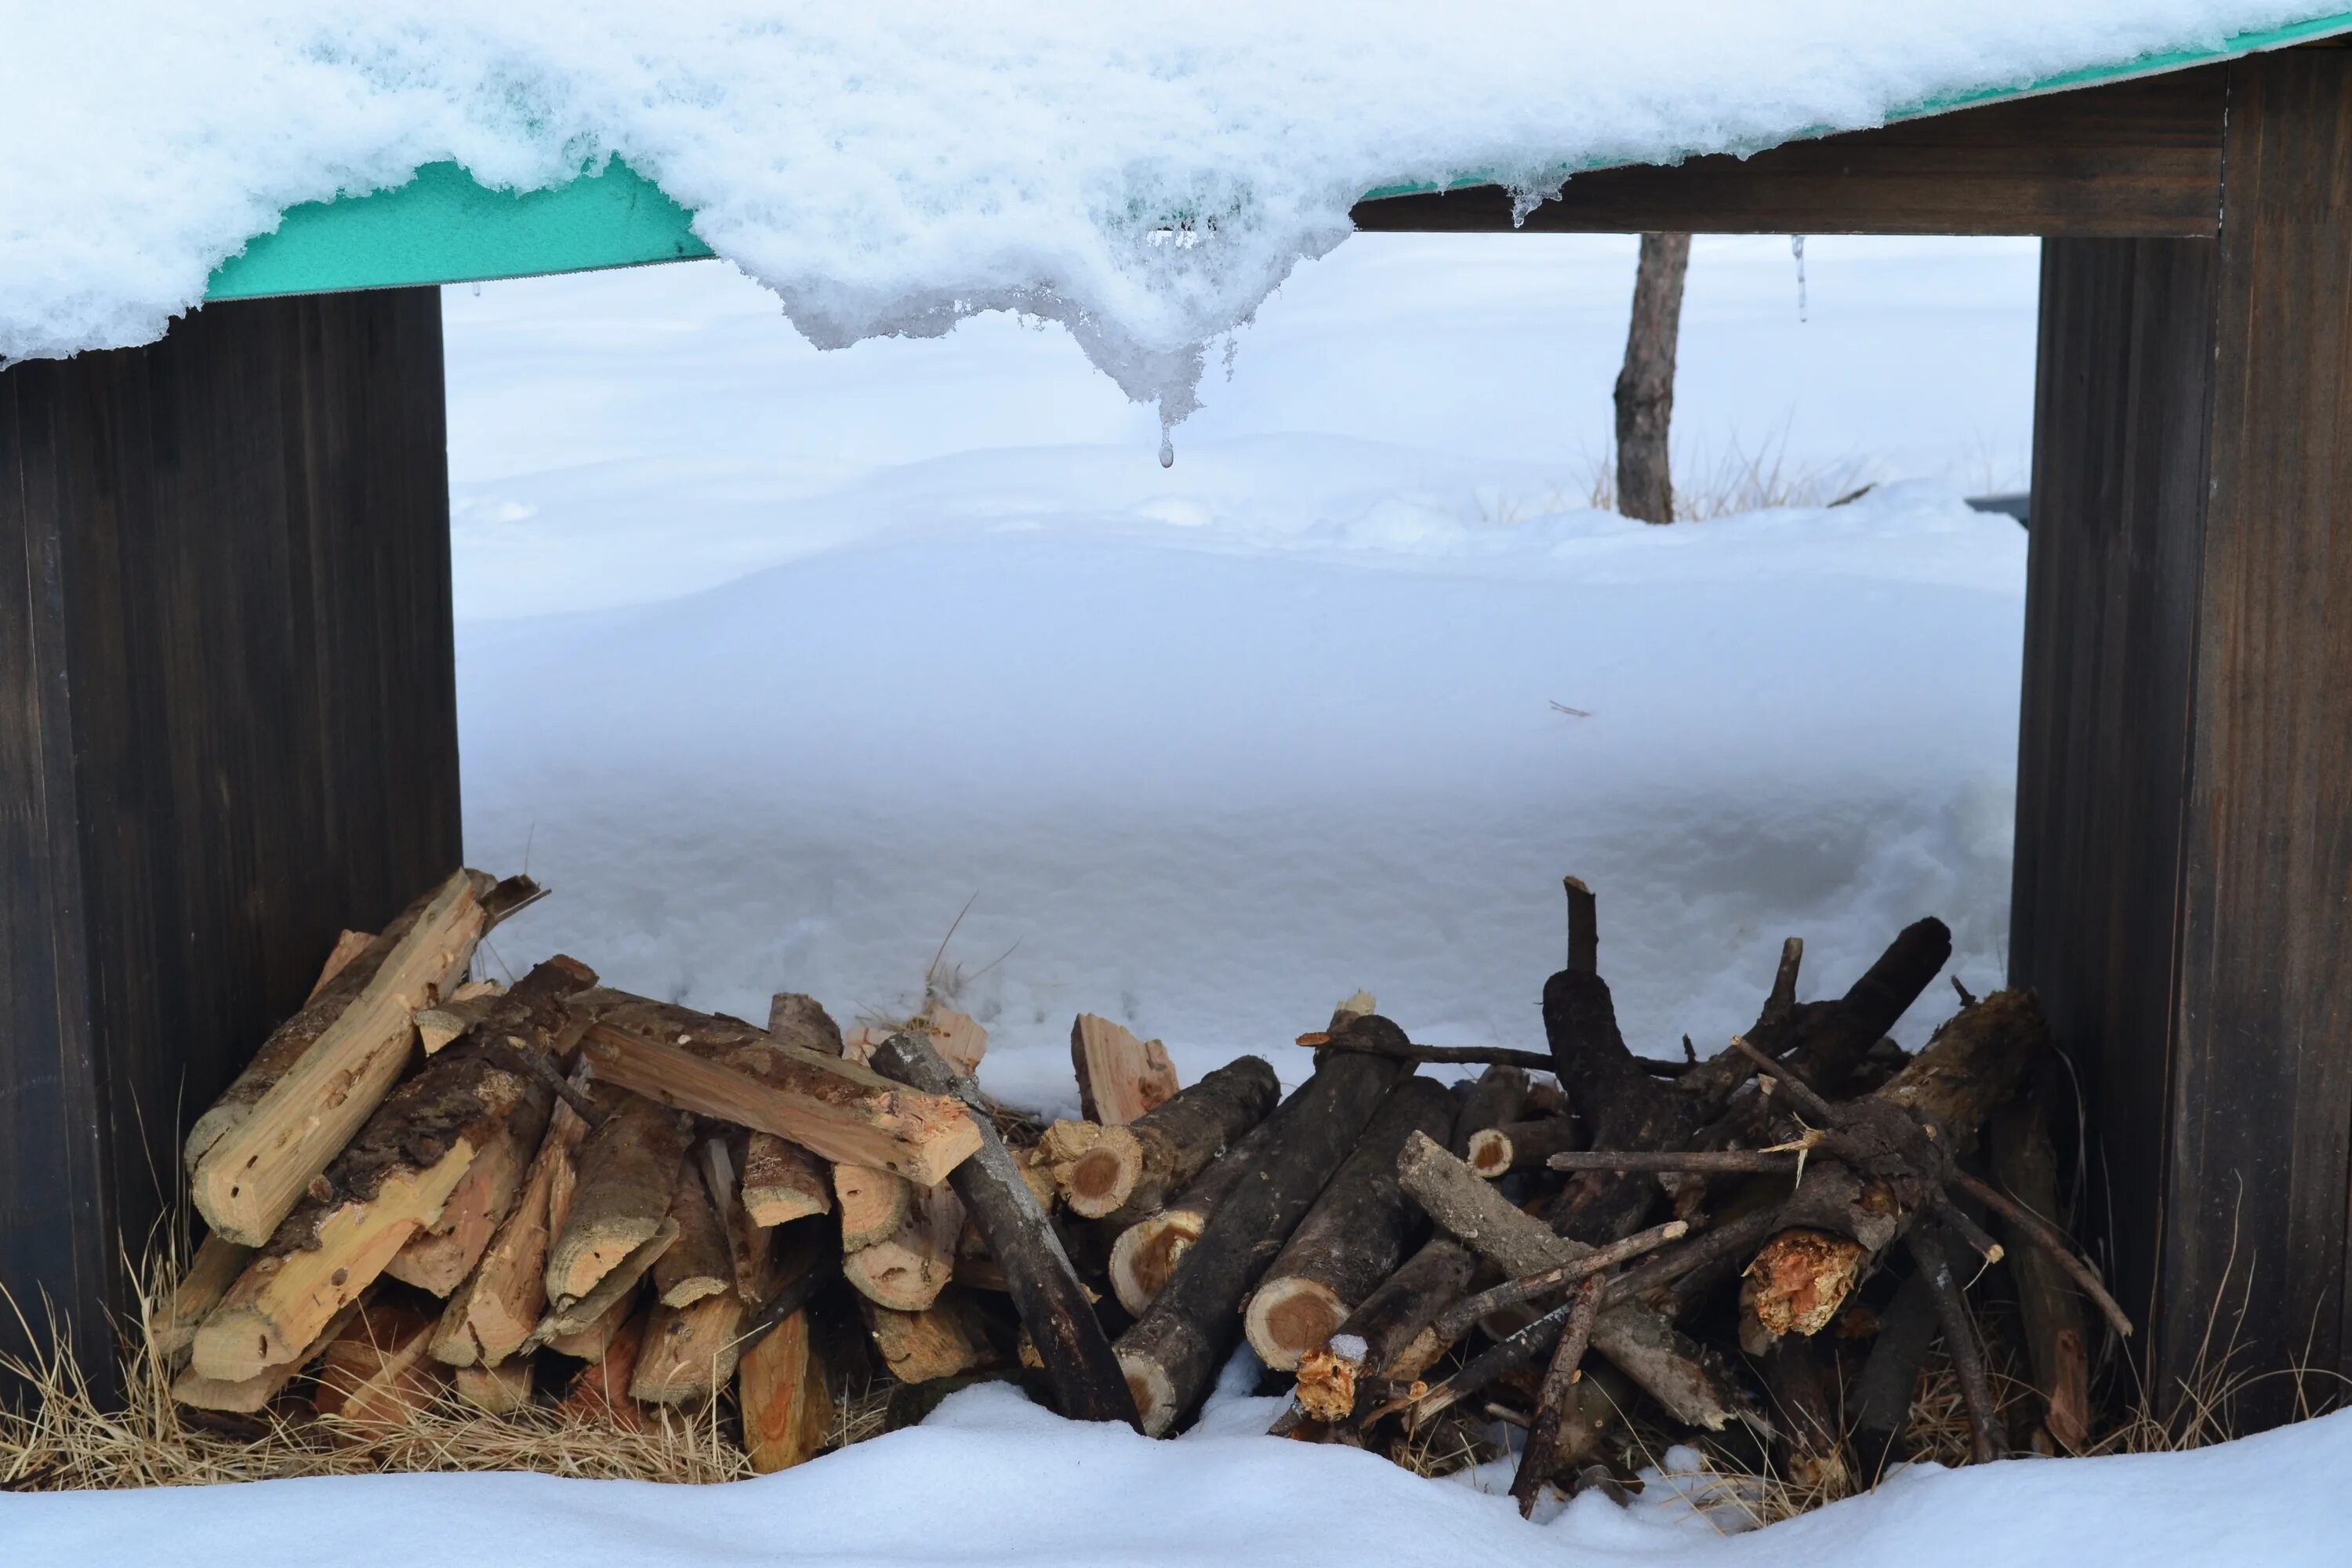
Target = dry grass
(1732,482)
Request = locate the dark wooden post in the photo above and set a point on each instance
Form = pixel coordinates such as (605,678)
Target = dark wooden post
(227,729)
(2184,851)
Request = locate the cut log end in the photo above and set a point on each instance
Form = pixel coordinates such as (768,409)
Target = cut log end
(1144,1257)
(1101,1179)
(1154,1392)
(1801,1278)
(1289,1316)
(1327,1379)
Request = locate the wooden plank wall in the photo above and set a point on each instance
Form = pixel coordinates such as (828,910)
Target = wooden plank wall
(2184,854)
(232,731)
(2131,159)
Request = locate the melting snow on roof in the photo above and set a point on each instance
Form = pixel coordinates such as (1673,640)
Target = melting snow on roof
(1145,173)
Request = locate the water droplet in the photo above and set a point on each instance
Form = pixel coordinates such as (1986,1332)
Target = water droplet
(1797,249)
(1167,451)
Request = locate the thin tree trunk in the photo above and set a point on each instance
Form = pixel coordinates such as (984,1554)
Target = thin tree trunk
(1645,387)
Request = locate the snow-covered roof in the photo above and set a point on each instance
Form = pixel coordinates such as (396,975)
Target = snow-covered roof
(1146,175)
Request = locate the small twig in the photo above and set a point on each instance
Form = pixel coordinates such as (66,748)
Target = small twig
(1542,1452)
(1750,1161)
(1798,1089)
(1472,1056)
(1967,1229)
(1986,1440)
(538,1066)
(1460,1319)
(1966,1000)
(2044,1235)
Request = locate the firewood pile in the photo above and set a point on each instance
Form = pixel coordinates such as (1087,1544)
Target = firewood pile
(556,1196)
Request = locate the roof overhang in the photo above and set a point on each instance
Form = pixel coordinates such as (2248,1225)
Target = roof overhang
(445,228)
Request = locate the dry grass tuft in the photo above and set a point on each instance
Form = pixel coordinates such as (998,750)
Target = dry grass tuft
(67,1439)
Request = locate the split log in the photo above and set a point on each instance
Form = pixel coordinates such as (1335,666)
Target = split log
(749,1248)
(688,1352)
(874,1205)
(1521,1146)
(1670,1368)
(599,1395)
(2050,1310)
(566,1321)
(837,1109)
(375,1375)
(1134,1171)
(1353,1237)
(786,1394)
(439,1027)
(208,1276)
(250,1394)
(619,1311)
(322,1073)
(1120,1077)
(1086,1380)
(908,1268)
(393,1180)
(957,1037)
(700,1262)
(941,1341)
(625,1173)
(349,945)
(782,1182)
(438,1257)
(494,1312)
(1144,1255)
(1171,1353)
(501,1390)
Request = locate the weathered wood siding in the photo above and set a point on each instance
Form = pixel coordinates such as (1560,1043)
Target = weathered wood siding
(227,729)
(2184,856)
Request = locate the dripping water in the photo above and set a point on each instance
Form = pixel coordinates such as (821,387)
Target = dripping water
(1797,249)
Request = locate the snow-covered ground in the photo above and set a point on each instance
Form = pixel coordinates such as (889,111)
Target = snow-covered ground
(990,1479)
(771,661)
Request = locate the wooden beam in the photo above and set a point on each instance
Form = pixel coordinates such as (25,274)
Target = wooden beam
(2131,159)
(227,732)
(2185,794)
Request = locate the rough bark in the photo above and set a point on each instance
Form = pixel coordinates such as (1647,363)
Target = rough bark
(1075,1355)
(1889,1157)
(1621,1106)
(795,1019)
(833,1107)
(1171,1144)
(322,1073)
(438,1259)
(1645,384)
(1499,1096)
(1120,1077)
(494,1312)
(626,1171)
(1170,1356)
(1644,1344)
(1353,1237)
(392,1179)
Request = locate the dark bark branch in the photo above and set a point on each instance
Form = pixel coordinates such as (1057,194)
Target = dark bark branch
(1540,1457)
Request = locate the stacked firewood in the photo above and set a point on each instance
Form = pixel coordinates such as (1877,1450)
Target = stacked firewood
(559,1195)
